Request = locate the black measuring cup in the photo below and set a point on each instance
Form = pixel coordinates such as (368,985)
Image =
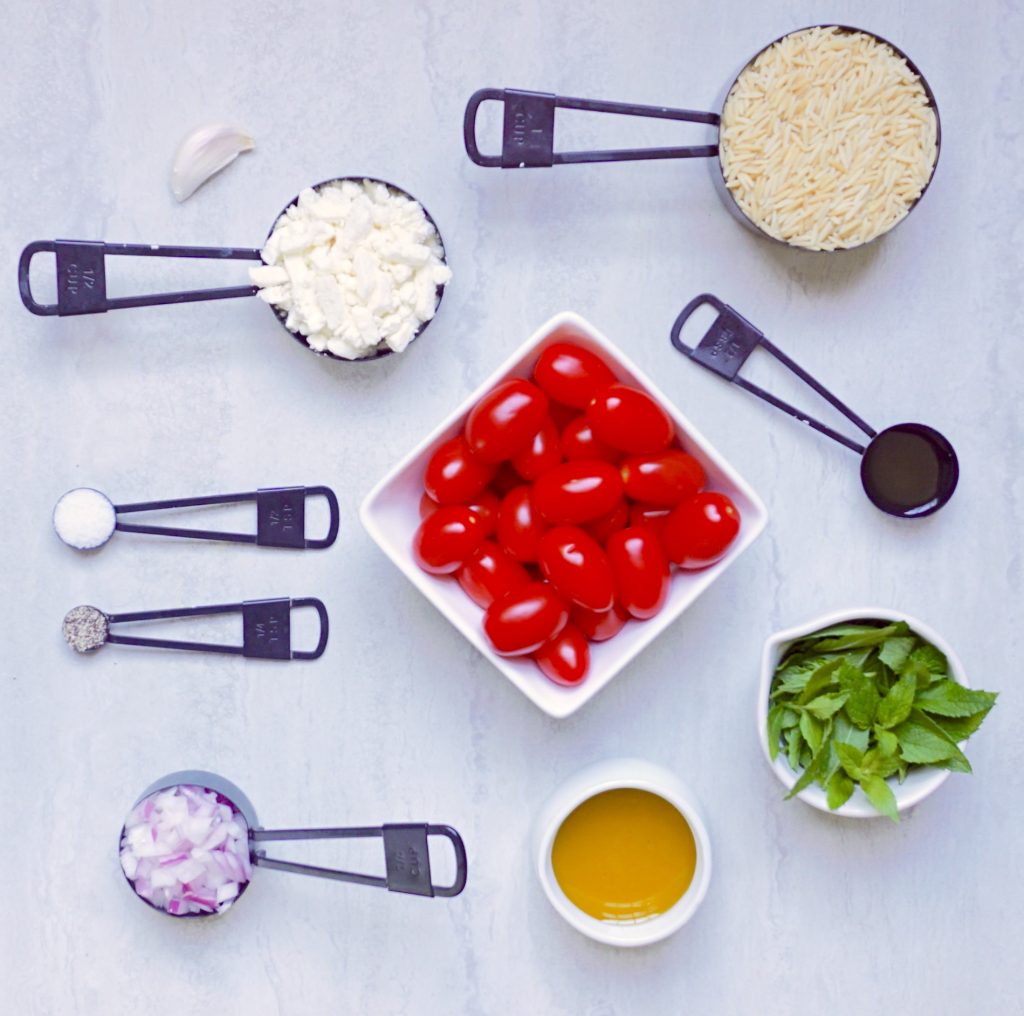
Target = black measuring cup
(82,276)
(406,846)
(908,470)
(528,130)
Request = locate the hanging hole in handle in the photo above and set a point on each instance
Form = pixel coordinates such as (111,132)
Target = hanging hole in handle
(450,875)
(28,290)
(305,618)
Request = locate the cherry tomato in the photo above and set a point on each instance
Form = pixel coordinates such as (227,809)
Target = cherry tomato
(505,479)
(577,492)
(446,539)
(453,475)
(562,415)
(519,526)
(700,530)
(490,573)
(485,507)
(611,522)
(630,419)
(641,573)
(599,626)
(662,480)
(654,519)
(504,421)
(543,452)
(522,620)
(565,659)
(578,442)
(571,375)
(576,566)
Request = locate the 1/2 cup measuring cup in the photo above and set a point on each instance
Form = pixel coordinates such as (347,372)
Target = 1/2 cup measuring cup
(529,123)
(191,843)
(82,278)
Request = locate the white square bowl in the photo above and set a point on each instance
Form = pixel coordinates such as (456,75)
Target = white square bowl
(390,513)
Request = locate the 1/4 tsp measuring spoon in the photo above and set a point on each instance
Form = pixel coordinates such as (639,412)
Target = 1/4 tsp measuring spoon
(909,470)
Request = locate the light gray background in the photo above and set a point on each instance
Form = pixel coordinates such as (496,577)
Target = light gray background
(401,720)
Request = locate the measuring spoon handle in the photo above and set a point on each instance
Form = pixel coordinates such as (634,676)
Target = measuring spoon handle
(528,130)
(82,275)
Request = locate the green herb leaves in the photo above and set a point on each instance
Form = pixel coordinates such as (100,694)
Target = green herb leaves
(861,702)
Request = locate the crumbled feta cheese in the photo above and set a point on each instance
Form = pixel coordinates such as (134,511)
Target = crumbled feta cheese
(353,266)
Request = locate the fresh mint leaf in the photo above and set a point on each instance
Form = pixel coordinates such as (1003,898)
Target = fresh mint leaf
(839,789)
(843,731)
(812,731)
(895,650)
(924,746)
(895,707)
(869,637)
(863,697)
(888,742)
(850,759)
(959,729)
(826,706)
(880,794)
(928,659)
(876,763)
(775,715)
(819,681)
(811,772)
(794,745)
(956,761)
(947,698)
(790,718)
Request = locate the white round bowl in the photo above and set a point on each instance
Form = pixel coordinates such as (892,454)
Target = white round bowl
(618,774)
(919,783)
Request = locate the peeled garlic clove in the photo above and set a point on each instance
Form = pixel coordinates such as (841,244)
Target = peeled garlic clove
(207,150)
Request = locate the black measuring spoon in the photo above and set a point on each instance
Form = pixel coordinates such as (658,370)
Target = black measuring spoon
(280,517)
(406,846)
(528,130)
(908,470)
(82,275)
(266,628)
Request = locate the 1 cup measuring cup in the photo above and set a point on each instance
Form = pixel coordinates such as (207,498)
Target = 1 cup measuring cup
(909,470)
(191,843)
(529,124)
(82,279)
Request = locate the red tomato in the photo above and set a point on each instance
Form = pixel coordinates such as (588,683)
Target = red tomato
(505,479)
(447,538)
(490,573)
(485,507)
(524,619)
(453,475)
(566,658)
(571,375)
(599,626)
(504,421)
(662,480)
(574,563)
(562,415)
(544,452)
(654,519)
(611,522)
(630,419)
(577,492)
(640,568)
(578,442)
(519,526)
(700,530)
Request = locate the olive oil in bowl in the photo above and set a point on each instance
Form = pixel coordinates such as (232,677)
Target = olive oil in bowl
(624,856)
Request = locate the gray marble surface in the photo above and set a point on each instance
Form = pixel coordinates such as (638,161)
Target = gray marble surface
(401,719)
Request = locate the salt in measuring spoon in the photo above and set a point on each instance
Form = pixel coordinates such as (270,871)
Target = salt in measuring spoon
(908,470)
(82,276)
(158,883)
(266,628)
(85,518)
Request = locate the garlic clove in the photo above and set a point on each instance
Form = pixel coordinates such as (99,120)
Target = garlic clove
(204,152)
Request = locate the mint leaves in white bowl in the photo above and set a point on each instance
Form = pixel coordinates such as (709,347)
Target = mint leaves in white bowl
(863,712)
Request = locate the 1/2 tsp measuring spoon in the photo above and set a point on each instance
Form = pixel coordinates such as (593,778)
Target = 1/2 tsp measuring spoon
(908,470)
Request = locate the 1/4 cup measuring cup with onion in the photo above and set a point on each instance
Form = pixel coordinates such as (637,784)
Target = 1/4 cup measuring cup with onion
(828,137)
(190,845)
(305,293)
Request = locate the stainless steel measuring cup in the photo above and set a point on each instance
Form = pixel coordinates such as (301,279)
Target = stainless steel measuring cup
(82,277)
(528,128)
(406,846)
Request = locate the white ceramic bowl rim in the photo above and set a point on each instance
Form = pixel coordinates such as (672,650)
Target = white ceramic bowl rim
(920,782)
(668,787)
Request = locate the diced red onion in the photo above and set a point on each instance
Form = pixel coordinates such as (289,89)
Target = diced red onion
(186,850)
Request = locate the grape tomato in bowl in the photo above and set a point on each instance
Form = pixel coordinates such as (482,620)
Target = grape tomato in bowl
(391,515)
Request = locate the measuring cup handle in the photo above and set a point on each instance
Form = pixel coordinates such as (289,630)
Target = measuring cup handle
(528,130)
(82,275)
